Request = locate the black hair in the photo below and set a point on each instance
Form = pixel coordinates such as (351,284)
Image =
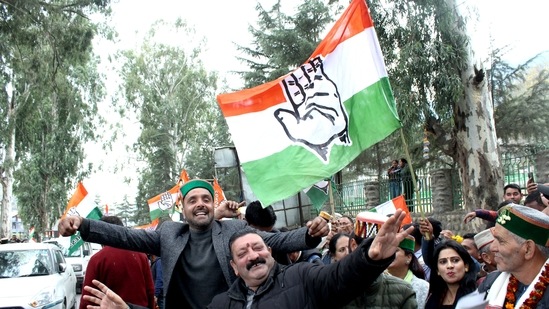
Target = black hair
(437,286)
(404,160)
(245,231)
(348,217)
(256,215)
(333,242)
(512,186)
(414,265)
(112,220)
(533,197)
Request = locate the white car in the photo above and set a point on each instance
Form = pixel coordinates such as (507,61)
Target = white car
(78,259)
(35,275)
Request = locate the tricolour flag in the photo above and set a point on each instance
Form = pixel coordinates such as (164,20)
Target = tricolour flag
(311,123)
(390,207)
(149,227)
(184,177)
(218,192)
(319,193)
(80,204)
(163,203)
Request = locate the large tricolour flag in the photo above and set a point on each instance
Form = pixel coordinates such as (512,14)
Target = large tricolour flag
(81,204)
(307,125)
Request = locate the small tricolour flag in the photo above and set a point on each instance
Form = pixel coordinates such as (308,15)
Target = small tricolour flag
(390,207)
(218,192)
(163,203)
(311,123)
(81,204)
(149,227)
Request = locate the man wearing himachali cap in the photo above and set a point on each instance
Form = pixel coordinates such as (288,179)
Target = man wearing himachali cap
(521,237)
(195,254)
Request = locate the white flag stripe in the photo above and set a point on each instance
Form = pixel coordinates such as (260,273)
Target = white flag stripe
(350,53)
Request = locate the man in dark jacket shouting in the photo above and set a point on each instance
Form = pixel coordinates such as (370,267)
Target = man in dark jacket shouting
(264,284)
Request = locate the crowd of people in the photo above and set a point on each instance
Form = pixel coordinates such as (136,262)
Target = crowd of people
(209,262)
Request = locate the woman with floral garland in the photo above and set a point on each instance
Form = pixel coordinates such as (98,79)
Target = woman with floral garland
(453,275)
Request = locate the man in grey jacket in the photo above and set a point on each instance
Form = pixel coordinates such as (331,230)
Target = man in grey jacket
(195,255)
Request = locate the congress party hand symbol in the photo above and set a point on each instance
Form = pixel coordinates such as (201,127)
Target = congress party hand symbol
(317,118)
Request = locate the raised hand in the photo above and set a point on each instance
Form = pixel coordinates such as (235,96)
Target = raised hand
(389,237)
(317,118)
(103,297)
(318,227)
(228,209)
(69,225)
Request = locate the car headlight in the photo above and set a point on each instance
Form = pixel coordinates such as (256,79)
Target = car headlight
(77,267)
(44,297)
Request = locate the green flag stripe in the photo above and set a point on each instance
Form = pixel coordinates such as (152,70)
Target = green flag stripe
(372,117)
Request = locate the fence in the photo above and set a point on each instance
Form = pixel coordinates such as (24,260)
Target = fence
(350,197)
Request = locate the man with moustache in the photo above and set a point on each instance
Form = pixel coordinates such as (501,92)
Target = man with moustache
(264,284)
(195,254)
(521,237)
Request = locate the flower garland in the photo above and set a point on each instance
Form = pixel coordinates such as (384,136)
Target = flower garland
(535,295)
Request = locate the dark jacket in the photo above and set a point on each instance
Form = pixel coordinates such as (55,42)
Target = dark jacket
(170,240)
(308,285)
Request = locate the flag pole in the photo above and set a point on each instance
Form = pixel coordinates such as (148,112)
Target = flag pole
(331,195)
(414,180)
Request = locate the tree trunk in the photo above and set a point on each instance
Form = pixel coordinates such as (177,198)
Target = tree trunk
(7,177)
(476,149)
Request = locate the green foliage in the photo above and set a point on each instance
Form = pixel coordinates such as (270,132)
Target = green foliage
(424,52)
(50,88)
(520,95)
(282,42)
(174,96)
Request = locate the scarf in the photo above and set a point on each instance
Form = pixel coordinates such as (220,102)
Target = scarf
(498,290)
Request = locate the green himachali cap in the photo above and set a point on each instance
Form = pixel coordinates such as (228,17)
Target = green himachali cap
(408,243)
(519,224)
(196,183)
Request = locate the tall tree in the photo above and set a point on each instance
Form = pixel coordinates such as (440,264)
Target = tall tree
(49,89)
(174,96)
(283,42)
(439,89)
(520,95)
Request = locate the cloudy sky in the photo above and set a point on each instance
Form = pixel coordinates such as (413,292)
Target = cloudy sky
(519,25)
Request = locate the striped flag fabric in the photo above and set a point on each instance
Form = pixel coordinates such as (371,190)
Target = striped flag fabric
(219,194)
(148,227)
(163,203)
(81,204)
(390,207)
(312,122)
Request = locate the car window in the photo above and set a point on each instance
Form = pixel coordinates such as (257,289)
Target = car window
(59,257)
(25,263)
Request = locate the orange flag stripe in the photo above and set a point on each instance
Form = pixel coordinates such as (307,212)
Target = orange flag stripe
(77,197)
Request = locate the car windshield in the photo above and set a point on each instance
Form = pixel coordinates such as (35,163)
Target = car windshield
(25,263)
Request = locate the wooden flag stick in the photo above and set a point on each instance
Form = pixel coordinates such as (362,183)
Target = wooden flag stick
(414,180)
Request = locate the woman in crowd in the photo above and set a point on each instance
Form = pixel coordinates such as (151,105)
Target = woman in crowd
(406,266)
(339,246)
(454,277)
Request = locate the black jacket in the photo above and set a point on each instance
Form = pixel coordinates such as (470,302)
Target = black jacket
(308,285)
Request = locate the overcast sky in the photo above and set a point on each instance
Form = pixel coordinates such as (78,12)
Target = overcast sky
(521,25)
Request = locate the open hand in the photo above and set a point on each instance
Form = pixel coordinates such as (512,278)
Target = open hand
(103,297)
(389,237)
